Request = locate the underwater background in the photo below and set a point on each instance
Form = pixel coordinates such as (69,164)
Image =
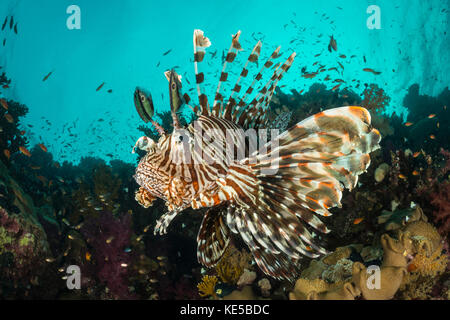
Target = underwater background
(68,125)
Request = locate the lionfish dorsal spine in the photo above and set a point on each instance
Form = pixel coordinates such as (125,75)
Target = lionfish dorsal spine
(262,100)
(253,57)
(200,43)
(259,75)
(235,47)
(240,112)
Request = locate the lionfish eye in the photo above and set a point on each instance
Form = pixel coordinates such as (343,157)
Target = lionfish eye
(142,97)
(173,86)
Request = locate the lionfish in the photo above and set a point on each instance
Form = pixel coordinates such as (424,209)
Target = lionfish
(274,212)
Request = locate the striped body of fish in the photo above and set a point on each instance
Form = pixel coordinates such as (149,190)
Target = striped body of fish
(275,212)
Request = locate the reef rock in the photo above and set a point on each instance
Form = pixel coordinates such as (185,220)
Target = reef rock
(24,248)
(381,172)
(411,263)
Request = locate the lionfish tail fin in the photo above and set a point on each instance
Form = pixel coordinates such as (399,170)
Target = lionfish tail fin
(280,193)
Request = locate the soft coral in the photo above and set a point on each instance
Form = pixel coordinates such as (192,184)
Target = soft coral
(441,201)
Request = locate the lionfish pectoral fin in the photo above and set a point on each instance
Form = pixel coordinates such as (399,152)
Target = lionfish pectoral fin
(213,237)
(163,222)
(279,193)
(144,198)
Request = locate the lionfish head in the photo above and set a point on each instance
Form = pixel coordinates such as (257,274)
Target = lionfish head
(157,171)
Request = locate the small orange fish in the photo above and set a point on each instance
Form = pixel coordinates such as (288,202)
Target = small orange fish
(431,116)
(371,70)
(415,173)
(308,248)
(416,154)
(44,148)
(100,86)
(407,124)
(47,76)
(9,118)
(35,167)
(4,104)
(25,151)
(5,86)
(335,87)
(402,176)
(22,132)
(7,153)
(343,56)
(332,45)
(432,136)
(50,183)
(358,220)
(88,256)
(309,75)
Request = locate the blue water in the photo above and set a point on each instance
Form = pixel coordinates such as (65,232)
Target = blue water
(122,42)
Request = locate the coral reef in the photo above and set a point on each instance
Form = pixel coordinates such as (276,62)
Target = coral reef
(411,265)
(207,287)
(232,265)
(109,237)
(11,136)
(23,250)
(57,214)
(440,199)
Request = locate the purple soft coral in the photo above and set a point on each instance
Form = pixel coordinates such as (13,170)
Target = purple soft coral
(109,237)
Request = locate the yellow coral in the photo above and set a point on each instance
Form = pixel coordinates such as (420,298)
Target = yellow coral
(207,286)
(423,273)
(429,266)
(232,265)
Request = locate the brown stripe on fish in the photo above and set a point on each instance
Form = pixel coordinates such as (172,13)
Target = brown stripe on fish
(223,77)
(231,56)
(198,56)
(203,100)
(199,78)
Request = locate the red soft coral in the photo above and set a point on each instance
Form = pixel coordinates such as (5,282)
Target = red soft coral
(441,201)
